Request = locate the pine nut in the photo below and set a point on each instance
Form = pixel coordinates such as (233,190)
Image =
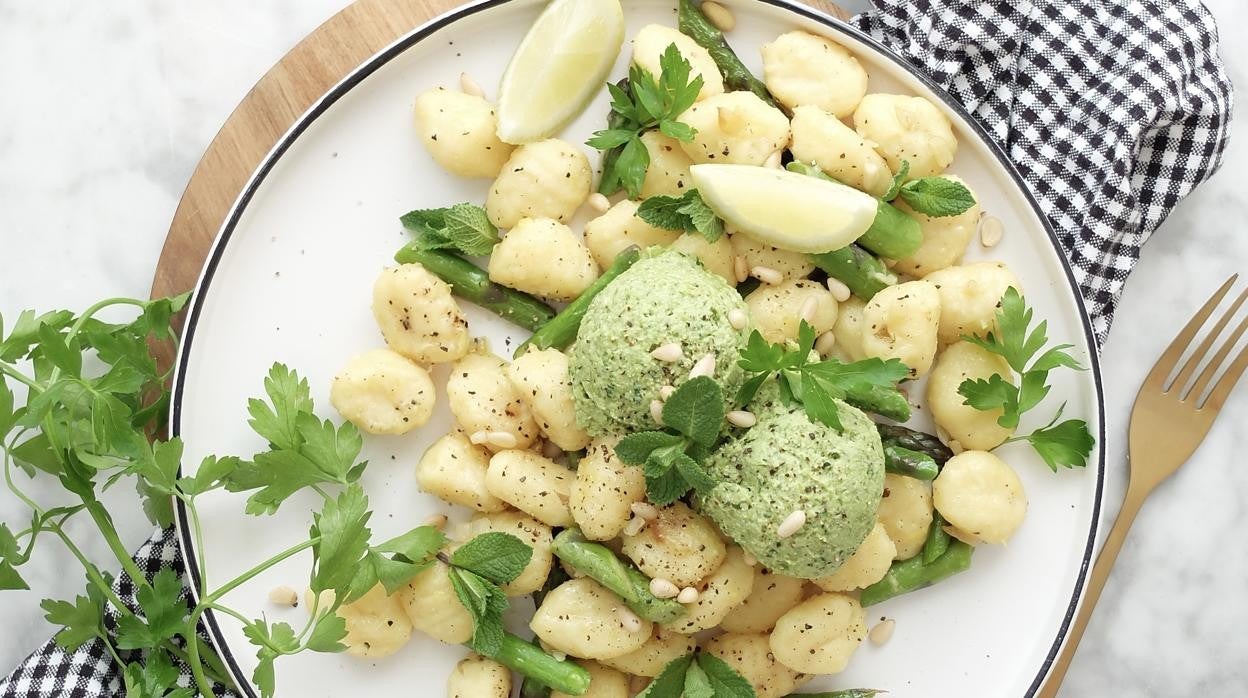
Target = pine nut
(668,352)
(767,275)
(882,632)
(956,447)
(741,418)
(773,161)
(738,319)
(438,521)
(704,367)
(839,290)
(645,510)
(663,589)
(558,656)
(598,202)
(791,524)
(740,269)
(656,411)
(809,307)
(628,619)
(479,437)
(719,16)
(748,558)
(943,435)
(991,230)
(825,344)
(687,595)
(634,526)
(469,86)
(501,439)
(284,596)
(666,391)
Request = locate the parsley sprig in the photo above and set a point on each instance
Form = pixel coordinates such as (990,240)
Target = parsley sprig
(672,457)
(687,213)
(478,569)
(464,227)
(937,197)
(870,383)
(1067,444)
(647,103)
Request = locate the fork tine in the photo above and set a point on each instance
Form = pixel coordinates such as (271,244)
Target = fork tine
(1206,376)
(1163,367)
(1189,368)
(1222,390)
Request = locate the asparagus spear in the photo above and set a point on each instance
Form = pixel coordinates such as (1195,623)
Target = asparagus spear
(599,563)
(881,401)
(472,283)
(533,662)
(861,271)
(561,331)
(609,182)
(533,689)
(915,441)
(696,26)
(900,460)
(937,539)
(913,574)
(893,234)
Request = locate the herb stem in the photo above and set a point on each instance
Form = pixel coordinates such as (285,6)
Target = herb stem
(109,532)
(197,667)
(251,573)
(230,612)
(20,377)
(197,530)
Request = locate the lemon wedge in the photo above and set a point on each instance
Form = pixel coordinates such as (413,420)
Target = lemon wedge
(560,65)
(785,209)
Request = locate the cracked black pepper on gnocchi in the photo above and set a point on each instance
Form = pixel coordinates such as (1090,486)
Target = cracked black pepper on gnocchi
(696,467)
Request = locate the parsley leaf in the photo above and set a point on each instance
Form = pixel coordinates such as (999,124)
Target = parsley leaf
(164,609)
(498,557)
(81,621)
(273,642)
(644,103)
(937,197)
(464,227)
(687,212)
(155,678)
(1067,444)
(290,396)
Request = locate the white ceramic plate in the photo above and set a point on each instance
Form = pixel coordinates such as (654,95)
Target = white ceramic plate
(290,280)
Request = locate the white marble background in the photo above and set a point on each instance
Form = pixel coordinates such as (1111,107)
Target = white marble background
(106,107)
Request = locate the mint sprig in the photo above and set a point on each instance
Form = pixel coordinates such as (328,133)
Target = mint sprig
(671,458)
(698,675)
(686,213)
(464,227)
(478,569)
(937,197)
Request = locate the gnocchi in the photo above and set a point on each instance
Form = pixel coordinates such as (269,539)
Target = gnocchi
(529,531)
(668,171)
(453,470)
(417,315)
(541,256)
(750,655)
(944,239)
(971,428)
(680,546)
(718,595)
(460,131)
(541,378)
(771,595)
(969,298)
(582,618)
(653,39)
(604,491)
(533,484)
(819,635)
(778,311)
(902,322)
(619,228)
(791,265)
(838,150)
(848,328)
(735,128)
(866,566)
(800,68)
(376,624)
(483,400)
(658,651)
(546,179)
(906,514)
(907,129)
(716,257)
(383,392)
(980,495)
(433,608)
(478,677)
(604,682)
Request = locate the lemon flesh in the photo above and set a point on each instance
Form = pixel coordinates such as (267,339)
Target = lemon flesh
(785,209)
(560,65)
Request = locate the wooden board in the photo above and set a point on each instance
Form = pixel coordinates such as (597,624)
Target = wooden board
(314,65)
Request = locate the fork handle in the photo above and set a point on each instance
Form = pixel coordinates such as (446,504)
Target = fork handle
(1096,583)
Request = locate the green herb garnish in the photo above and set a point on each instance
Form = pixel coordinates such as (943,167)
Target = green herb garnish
(687,213)
(698,675)
(477,570)
(672,458)
(936,197)
(463,227)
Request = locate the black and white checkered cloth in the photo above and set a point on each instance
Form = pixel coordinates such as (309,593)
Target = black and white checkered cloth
(1112,110)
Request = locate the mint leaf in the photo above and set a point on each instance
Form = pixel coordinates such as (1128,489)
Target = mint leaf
(670,682)
(687,213)
(696,410)
(464,227)
(635,448)
(486,602)
(697,684)
(664,483)
(693,473)
(724,681)
(497,557)
(1066,445)
(937,197)
(894,187)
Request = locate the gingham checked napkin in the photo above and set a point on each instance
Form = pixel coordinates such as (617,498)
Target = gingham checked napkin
(1112,110)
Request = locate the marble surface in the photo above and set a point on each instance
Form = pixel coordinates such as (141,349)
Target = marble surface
(108,106)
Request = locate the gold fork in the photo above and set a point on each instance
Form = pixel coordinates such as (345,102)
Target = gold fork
(1168,422)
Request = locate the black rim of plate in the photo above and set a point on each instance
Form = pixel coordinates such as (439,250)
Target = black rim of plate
(241,679)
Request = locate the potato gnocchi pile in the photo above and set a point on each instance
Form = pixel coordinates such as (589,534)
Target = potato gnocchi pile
(521,464)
